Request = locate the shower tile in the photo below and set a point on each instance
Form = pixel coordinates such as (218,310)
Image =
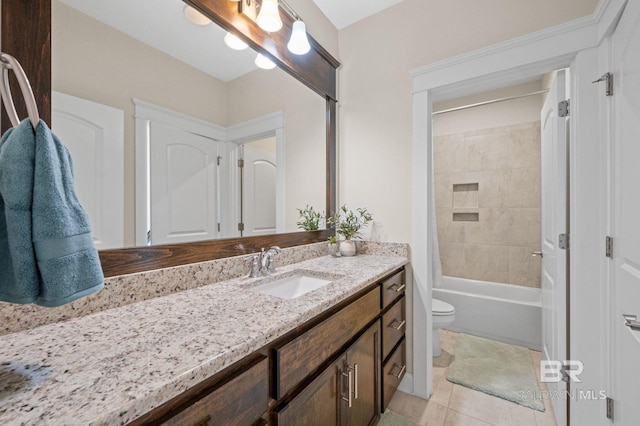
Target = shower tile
(524,148)
(524,229)
(486,262)
(523,189)
(443,187)
(449,231)
(452,259)
(524,269)
(492,188)
(492,228)
(449,154)
(487,152)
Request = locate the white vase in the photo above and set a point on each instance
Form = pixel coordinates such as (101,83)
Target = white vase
(347,248)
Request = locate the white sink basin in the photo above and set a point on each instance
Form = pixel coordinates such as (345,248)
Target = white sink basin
(292,286)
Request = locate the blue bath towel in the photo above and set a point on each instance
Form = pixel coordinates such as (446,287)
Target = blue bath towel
(47,254)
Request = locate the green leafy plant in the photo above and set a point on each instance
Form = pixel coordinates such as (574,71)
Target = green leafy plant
(309,218)
(348,223)
(333,239)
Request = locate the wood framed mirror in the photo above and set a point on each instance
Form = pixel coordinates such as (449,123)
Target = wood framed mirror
(316,70)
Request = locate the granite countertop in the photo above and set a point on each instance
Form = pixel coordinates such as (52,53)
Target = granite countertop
(111,367)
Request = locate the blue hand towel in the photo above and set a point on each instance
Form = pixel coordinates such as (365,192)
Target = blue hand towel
(47,254)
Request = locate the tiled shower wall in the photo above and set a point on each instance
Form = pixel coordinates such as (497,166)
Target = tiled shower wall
(487,189)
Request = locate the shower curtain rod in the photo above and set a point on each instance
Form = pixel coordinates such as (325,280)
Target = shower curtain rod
(493,101)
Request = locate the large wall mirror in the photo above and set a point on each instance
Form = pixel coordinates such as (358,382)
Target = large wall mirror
(191,111)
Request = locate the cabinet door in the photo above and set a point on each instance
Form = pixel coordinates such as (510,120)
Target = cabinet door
(318,403)
(363,359)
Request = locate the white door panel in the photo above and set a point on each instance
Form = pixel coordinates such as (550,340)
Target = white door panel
(554,223)
(94,135)
(184,186)
(259,192)
(626,275)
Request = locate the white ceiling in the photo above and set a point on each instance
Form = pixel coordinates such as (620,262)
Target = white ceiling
(162,24)
(343,13)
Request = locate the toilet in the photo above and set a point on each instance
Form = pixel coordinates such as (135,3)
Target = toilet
(442,314)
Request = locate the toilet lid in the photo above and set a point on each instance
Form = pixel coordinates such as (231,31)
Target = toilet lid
(438,307)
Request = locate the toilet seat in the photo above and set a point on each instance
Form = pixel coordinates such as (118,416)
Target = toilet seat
(440,308)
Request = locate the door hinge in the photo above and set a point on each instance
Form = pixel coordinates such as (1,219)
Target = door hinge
(563,108)
(608,247)
(219,227)
(563,241)
(218,160)
(241,227)
(609,408)
(241,163)
(608,78)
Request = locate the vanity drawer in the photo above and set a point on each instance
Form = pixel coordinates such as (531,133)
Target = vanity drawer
(393,326)
(392,288)
(393,372)
(300,357)
(240,401)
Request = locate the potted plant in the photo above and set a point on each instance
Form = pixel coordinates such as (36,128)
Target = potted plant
(348,223)
(309,218)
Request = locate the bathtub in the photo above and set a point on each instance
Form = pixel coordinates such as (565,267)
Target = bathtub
(504,312)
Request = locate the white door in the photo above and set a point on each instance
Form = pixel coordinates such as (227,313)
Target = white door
(626,250)
(259,191)
(183,186)
(554,223)
(94,135)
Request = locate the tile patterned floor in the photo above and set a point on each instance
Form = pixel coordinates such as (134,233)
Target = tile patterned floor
(455,405)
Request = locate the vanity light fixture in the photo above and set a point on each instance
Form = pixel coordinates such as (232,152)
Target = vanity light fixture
(264,62)
(234,42)
(269,16)
(299,43)
(195,17)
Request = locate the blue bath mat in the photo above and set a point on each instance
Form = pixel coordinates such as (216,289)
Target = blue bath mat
(497,369)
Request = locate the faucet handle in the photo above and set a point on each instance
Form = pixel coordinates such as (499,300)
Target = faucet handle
(270,263)
(254,270)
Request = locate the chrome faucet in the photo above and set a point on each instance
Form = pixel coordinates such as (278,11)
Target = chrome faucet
(263,263)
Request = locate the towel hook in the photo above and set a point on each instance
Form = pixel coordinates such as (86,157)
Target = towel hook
(9,62)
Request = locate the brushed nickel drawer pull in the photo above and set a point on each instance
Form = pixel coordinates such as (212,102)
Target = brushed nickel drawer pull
(402,369)
(355,387)
(399,325)
(349,376)
(398,288)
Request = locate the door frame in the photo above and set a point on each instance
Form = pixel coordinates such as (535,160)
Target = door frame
(574,45)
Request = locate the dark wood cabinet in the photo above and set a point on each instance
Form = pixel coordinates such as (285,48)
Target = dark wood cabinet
(347,392)
(340,368)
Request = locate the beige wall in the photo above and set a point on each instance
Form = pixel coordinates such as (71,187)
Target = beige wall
(375,110)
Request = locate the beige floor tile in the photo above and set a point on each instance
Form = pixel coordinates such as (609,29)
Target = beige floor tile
(441,387)
(458,419)
(417,409)
(490,409)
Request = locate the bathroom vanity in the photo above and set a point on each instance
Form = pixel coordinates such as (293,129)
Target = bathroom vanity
(221,354)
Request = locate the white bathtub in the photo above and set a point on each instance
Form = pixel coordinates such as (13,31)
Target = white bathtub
(504,312)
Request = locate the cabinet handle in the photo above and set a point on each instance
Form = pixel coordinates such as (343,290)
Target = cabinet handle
(397,288)
(399,325)
(402,369)
(349,376)
(355,387)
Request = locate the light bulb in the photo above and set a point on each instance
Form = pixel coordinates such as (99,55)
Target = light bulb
(264,62)
(234,42)
(298,43)
(269,17)
(195,17)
